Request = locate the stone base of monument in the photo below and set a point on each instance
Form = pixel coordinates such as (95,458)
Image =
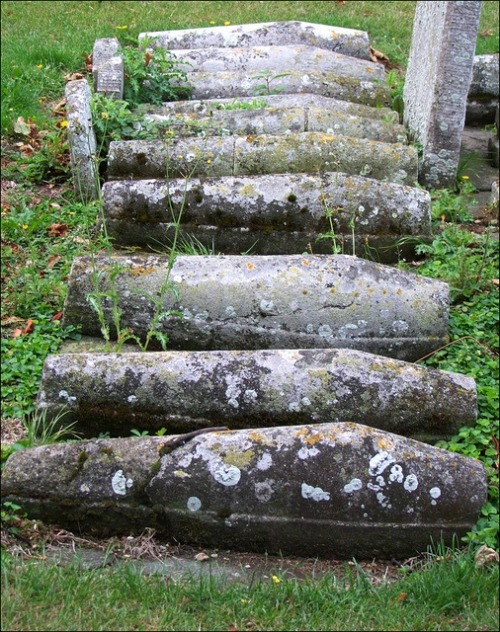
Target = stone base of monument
(185,391)
(303,152)
(262,302)
(330,490)
(270,214)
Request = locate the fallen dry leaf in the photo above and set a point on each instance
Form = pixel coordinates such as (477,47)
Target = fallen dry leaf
(53,260)
(57,316)
(201,557)
(30,326)
(58,230)
(74,76)
(60,107)
(380,58)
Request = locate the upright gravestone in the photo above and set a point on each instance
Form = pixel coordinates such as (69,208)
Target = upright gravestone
(437,83)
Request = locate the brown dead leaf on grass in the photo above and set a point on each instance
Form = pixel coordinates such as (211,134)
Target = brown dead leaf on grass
(28,329)
(58,230)
(380,58)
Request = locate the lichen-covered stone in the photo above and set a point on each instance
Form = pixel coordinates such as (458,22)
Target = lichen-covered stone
(270,214)
(437,83)
(304,152)
(275,59)
(274,120)
(252,302)
(81,139)
(206,107)
(182,391)
(341,40)
(333,490)
(225,84)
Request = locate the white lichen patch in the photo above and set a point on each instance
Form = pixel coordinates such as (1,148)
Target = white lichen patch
(380,462)
(66,396)
(314,493)
(193,503)
(264,490)
(353,486)
(435,493)
(305,453)
(181,474)
(294,407)
(383,501)
(265,461)
(227,475)
(84,488)
(411,483)
(120,483)
(396,475)
(131,399)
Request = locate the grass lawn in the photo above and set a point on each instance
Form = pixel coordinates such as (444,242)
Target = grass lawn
(45,225)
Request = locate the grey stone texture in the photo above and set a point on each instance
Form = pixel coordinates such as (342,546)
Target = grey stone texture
(482,99)
(218,85)
(81,139)
(332,490)
(207,107)
(104,49)
(275,120)
(302,152)
(340,40)
(437,83)
(259,302)
(278,59)
(184,391)
(269,214)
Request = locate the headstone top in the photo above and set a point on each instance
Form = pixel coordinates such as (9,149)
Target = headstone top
(437,83)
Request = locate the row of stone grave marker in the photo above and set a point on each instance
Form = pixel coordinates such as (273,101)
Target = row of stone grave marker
(290,372)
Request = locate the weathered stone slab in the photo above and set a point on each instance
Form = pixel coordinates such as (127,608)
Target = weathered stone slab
(276,120)
(270,214)
(341,40)
(273,60)
(258,302)
(110,78)
(104,49)
(362,492)
(437,83)
(83,484)
(81,139)
(219,85)
(304,152)
(483,94)
(303,100)
(182,391)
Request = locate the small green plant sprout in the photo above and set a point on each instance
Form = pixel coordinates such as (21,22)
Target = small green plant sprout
(11,517)
(448,206)
(153,75)
(254,104)
(331,234)
(266,78)
(395,81)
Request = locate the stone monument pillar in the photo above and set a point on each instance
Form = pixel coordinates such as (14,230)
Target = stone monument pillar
(437,83)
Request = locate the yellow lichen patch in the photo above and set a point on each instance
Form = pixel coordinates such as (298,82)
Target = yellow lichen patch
(248,190)
(306,262)
(257,437)
(141,271)
(384,444)
(312,440)
(239,459)
(302,432)
(250,266)
(181,474)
